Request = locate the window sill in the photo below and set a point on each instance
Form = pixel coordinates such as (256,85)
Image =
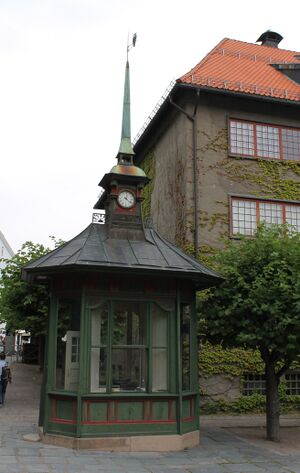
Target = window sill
(256,159)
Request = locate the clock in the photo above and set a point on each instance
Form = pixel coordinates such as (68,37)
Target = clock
(126,199)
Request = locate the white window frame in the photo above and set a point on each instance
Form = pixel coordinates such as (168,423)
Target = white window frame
(263,140)
(252,212)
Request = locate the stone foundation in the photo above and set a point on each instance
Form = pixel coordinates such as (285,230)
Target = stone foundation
(143,443)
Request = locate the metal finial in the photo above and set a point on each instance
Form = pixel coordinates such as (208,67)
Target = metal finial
(132,45)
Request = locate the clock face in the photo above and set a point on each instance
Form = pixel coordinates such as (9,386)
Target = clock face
(126,199)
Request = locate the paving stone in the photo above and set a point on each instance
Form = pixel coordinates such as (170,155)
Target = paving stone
(223,449)
(33,468)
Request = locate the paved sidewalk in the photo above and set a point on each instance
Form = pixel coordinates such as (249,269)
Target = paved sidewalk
(229,444)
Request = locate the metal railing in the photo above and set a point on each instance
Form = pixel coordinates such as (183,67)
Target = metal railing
(154,111)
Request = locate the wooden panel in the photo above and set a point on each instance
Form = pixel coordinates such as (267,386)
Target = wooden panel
(188,408)
(95,411)
(130,411)
(163,410)
(63,410)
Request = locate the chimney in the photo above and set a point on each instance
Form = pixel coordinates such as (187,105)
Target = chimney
(270,38)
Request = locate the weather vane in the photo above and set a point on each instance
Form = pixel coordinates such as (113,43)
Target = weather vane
(132,45)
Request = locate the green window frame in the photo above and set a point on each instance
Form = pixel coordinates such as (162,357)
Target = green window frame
(186,346)
(129,347)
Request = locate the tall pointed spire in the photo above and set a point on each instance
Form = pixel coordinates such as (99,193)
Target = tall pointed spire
(125,145)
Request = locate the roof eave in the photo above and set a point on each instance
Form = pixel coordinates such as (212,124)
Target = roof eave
(200,280)
(246,95)
(180,86)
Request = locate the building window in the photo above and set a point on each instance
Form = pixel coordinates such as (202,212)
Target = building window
(129,347)
(253,384)
(292,383)
(246,214)
(256,140)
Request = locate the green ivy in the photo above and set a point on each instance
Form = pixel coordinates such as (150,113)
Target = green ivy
(274,179)
(148,166)
(234,362)
(249,404)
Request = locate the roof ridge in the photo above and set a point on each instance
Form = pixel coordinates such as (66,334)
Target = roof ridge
(262,46)
(89,228)
(56,250)
(153,234)
(185,256)
(72,256)
(252,56)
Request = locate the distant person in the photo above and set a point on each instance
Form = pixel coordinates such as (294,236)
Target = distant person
(5,377)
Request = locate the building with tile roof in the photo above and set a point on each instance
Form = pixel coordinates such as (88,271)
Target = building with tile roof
(223,147)
(223,151)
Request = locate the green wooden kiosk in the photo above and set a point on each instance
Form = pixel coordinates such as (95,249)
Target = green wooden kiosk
(121,364)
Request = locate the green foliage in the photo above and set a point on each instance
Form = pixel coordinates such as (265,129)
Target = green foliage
(257,305)
(23,305)
(272,178)
(148,166)
(233,362)
(249,404)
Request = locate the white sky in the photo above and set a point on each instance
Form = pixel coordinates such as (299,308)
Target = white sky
(61,84)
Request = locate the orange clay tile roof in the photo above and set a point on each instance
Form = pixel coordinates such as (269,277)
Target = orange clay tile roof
(243,67)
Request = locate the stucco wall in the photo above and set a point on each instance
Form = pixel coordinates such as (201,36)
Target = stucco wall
(171,197)
(219,387)
(219,174)
(172,203)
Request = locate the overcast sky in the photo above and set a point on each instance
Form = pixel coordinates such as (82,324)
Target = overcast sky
(62,68)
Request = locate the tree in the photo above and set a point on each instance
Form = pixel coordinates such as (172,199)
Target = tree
(24,306)
(258,305)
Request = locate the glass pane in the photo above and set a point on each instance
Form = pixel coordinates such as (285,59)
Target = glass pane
(67,345)
(241,138)
(159,326)
(159,348)
(129,323)
(75,350)
(186,346)
(243,217)
(99,325)
(292,213)
(159,369)
(271,213)
(267,141)
(290,144)
(98,369)
(128,369)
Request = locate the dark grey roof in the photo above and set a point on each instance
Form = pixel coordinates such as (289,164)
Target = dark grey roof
(91,249)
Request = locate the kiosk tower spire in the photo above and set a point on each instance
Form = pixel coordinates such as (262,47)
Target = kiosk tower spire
(126,153)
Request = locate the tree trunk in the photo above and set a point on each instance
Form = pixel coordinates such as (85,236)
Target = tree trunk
(272,402)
